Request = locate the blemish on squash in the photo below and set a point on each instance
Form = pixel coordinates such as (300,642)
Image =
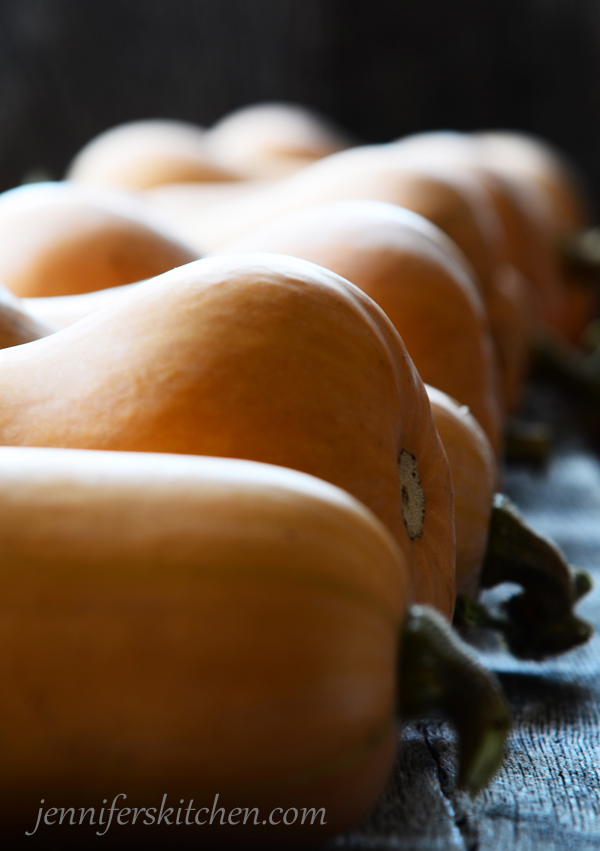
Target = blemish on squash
(413,498)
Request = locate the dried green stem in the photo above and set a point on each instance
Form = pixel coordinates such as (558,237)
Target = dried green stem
(438,672)
(527,442)
(578,373)
(582,250)
(540,621)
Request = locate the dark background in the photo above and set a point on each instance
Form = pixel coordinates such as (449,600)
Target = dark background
(381,68)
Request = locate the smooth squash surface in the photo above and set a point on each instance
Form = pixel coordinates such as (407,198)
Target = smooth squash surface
(271,140)
(523,243)
(63,310)
(550,187)
(60,239)
(416,275)
(142,154)
(475,480)
(255,356)
(195,626)
(451,201)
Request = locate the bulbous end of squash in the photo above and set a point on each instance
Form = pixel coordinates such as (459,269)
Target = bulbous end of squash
(540,621)
(439,673)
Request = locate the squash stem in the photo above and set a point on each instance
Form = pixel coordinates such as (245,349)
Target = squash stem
(527,442)
(576,372)
(438,672)
(539,621)
(582,250)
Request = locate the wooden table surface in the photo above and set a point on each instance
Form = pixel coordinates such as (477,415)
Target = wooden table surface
(547,794)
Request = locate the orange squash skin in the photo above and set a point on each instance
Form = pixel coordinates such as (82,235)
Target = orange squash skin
(554,189)
(59,239)
(271,140)
(453,200)
(143,154)
(528,252)
(259,357)
(195,626)
(374,173)
(521,243)
(62,310)
(416,276)
(475,480)
(523,287)
(509,311)
(553,192)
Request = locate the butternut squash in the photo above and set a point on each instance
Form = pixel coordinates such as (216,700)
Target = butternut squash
(416,275)
(509,312)
(481,236)
(453,202)
(199,626)
(272,140)
(261,357)
(58,239)
(177,198)
(524,244)
(548,181)
(529,253)
(195,626)
(514,304)
(475,479)
(553,191)
(62,310)
(141,154)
